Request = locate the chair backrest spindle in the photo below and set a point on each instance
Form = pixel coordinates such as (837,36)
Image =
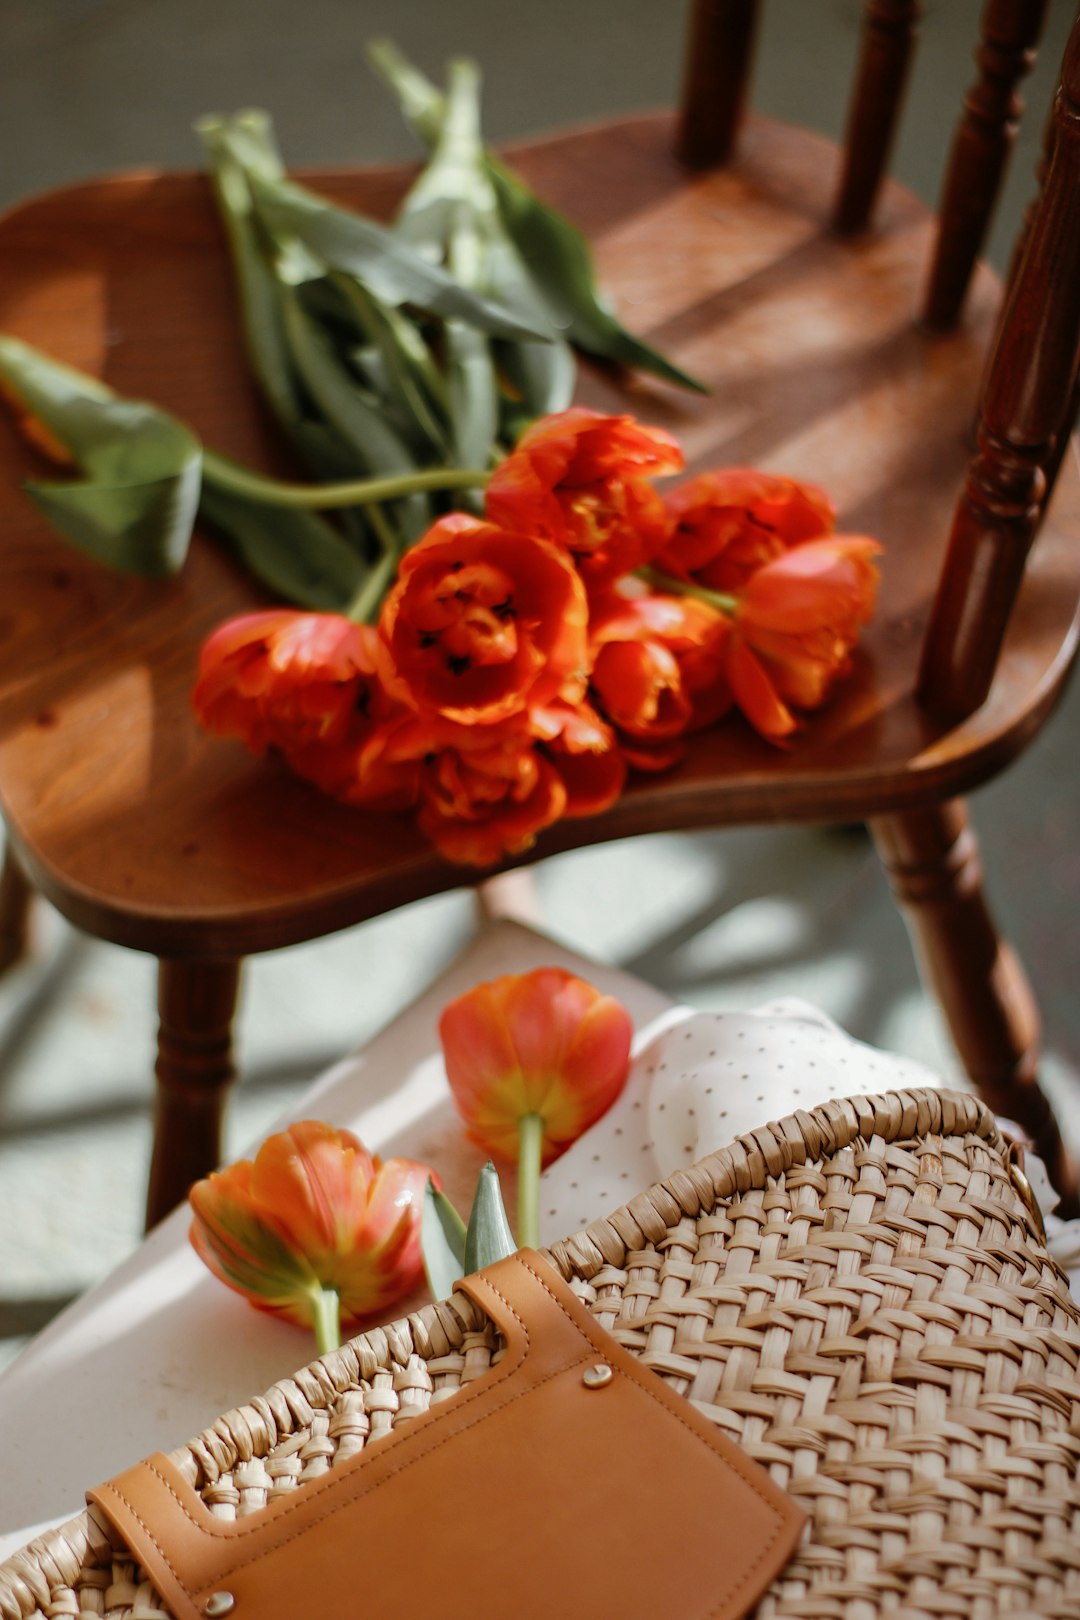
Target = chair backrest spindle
(888,44)
(719,52)
(980,151)
(1026,408)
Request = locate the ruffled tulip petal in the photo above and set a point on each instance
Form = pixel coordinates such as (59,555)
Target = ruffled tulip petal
(795,626)
(755,694)
(482,622)
(823,583)
(231,1236)
(289,680)
(724,525)
(482,803)
(581,479)
(316,1181)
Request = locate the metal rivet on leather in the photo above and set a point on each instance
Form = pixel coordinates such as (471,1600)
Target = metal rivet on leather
(219,1603)
(596,1377)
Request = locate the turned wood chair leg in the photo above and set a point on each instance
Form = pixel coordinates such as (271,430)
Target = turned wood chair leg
(510,895)
(196,1003)
(932,859)
(16,895)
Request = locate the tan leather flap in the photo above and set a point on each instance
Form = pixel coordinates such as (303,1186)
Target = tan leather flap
(535,1491)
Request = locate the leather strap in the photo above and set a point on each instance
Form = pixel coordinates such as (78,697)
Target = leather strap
(536,1490)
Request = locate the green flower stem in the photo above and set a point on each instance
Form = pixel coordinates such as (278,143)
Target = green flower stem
(365,605)
(720,600)
(358,492)
(530,1151)
(326,1314)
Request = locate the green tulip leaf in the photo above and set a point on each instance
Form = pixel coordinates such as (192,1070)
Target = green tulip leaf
(452,212)
(554,251)
(488,1237)
(422,103)
(360,421)
(393,351)
(560,261)
(442,1239)
(296,553)
(135,509)
(385,264)
(260,310)
(451,216)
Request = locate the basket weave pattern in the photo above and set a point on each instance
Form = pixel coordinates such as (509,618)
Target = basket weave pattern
(856,1295)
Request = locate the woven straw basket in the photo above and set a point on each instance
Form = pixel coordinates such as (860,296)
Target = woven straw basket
(859,1296)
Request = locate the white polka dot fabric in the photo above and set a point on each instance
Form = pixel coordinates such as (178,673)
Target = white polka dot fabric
(697,1081)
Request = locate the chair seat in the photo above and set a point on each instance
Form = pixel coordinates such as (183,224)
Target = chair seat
(145,831)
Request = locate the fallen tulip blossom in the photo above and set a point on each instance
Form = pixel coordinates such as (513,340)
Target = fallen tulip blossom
(314,1229)
(533,1060)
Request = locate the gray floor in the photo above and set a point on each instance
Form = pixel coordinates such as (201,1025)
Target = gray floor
(722,922)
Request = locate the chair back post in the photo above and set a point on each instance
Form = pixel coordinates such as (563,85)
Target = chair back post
(888,43)
(1026,405)
(980,151)
(720,49)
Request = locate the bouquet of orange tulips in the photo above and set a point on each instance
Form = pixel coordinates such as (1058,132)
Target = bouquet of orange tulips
(494,668)
(523,661)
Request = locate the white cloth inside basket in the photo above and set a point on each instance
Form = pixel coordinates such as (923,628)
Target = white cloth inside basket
(699,1080)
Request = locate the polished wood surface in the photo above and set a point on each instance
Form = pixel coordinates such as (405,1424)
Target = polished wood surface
(16,896)
(144,831)
(980,150)
(196,1006)
(720,50)
(932,859)
(147,832)
(888,44)
(1028,391)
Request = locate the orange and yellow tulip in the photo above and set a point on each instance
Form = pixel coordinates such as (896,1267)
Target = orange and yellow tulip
(313,1225)
(534,1059)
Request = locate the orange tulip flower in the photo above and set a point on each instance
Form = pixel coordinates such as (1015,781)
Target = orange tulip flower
(534,1059)
(482,622)
(658,668)
(314,1227)
(284,679)
(585,752)
(581,479)
(726,524)
(794,627)
(488,795)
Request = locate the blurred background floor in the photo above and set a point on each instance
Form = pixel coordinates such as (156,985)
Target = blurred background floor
(719,921)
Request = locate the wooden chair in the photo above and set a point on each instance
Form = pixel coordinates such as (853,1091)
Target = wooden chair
(831,357)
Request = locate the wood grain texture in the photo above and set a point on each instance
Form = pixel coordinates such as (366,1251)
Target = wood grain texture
(16,896)
(145,831)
